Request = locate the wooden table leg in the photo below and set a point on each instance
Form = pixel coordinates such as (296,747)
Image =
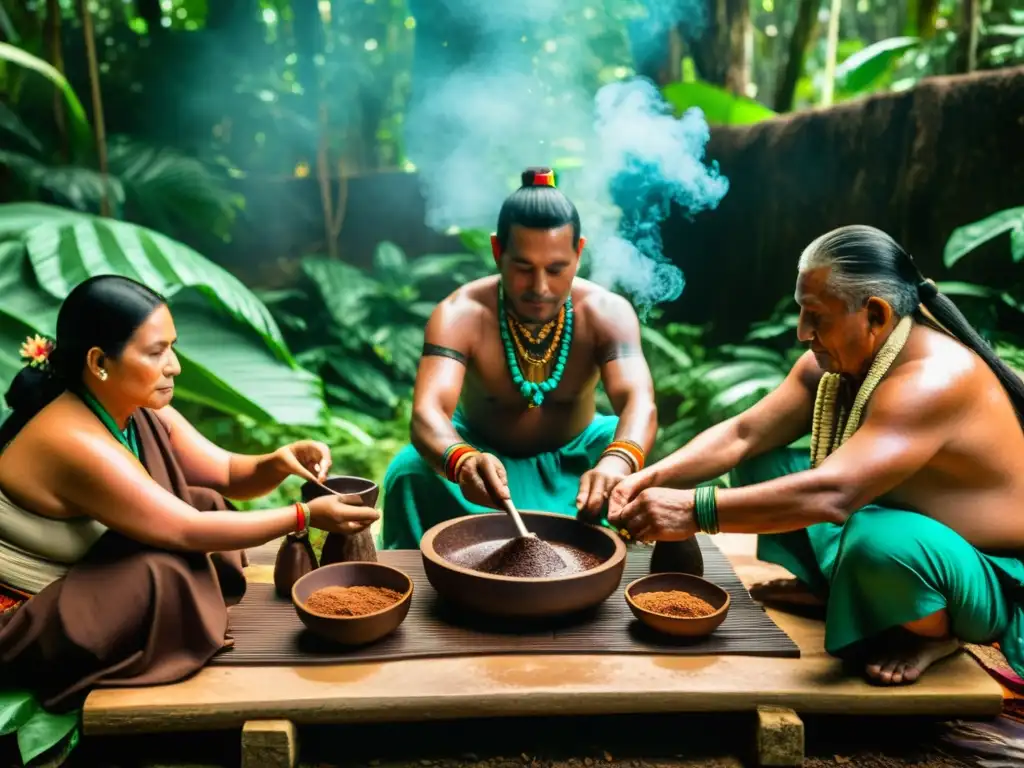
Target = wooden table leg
(269,744)
(780,737)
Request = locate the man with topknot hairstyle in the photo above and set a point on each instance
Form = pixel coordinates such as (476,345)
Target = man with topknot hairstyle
(504,404)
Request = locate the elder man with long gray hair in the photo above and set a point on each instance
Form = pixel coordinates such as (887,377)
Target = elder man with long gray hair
(906,517)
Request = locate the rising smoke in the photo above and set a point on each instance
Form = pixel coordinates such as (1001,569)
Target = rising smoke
(479,120)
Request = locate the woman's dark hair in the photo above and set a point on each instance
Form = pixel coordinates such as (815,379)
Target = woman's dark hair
(104,312)
(537,204)
(867,262)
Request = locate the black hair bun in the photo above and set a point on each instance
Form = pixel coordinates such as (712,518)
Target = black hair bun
(31,388)
(538,177)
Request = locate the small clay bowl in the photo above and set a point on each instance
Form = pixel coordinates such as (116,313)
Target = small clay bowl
(353,630)
(679,626)
(366,490)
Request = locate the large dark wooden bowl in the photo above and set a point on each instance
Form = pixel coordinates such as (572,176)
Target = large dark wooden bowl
(521,598)
(353,630)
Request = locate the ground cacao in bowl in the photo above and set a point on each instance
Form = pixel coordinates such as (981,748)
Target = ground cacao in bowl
(674,603)
(526,558)
(678,604)
(353,603)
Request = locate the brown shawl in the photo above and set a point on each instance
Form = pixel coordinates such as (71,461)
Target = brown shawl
(127,614)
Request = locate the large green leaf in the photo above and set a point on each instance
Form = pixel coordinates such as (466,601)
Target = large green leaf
(390,263)
(975,291)
(456,266)
(867,66)
(965,239)
(12,124)
(79,122)
(658,341)
(362,377)
(170,191)
(227,363)
(744,394)
(345,289)
(74,186)
(227,366)
(718,105)
(67,247)
(722,375)
(1017,243)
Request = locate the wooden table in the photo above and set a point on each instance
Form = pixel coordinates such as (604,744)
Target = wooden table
(452,688)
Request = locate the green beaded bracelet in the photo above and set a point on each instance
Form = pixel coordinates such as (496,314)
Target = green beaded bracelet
(705,502)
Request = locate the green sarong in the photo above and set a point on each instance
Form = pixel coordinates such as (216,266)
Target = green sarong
(416,498)
(885,567)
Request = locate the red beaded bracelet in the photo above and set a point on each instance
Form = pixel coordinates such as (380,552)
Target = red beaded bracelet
(453,459)
(301,517)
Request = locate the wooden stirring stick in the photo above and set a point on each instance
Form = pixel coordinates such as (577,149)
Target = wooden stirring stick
(511,509)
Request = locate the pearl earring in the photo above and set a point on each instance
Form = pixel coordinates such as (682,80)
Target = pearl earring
(103,374)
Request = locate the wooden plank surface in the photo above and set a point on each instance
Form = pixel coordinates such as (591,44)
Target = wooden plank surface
(453,688)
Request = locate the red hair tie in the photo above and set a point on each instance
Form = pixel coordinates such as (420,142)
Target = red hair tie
(543,179)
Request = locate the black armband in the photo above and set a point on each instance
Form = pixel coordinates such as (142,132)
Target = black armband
(433,350)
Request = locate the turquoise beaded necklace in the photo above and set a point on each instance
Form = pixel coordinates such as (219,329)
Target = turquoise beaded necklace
(533,391)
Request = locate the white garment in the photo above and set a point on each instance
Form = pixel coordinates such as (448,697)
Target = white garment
(37,550)
(27,572)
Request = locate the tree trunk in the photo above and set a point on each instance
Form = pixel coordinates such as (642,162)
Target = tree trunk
(667,67)
(917,164)
(806,20)
(54,46)
(831,53)
(972,22)
(97,105)
(927,12)
(720,54)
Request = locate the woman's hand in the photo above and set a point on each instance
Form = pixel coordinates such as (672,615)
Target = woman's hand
(658,514)
(307,459)
(333,513)
(483,481)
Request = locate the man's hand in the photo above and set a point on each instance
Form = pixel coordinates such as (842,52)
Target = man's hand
(658,514)
(627,489)
(597,484)
(483,481)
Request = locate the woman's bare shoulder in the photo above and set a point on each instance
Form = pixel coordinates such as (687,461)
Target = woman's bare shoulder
(53,450)
(62,441)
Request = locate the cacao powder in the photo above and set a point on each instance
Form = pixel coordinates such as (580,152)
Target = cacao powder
(674,603)
(351,601)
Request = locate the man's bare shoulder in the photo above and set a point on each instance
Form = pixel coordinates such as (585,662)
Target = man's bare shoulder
(457,321)
(599,305)
(935,379)
(474,297)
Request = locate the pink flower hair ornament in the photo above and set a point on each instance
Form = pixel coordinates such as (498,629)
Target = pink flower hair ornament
(36,350)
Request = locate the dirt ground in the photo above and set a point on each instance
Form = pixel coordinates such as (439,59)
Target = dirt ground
(597,742)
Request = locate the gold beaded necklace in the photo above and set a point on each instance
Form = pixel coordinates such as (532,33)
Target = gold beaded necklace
(535,368)
(832,426)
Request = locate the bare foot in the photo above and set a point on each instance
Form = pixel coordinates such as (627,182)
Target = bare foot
(905,663)
(784,592)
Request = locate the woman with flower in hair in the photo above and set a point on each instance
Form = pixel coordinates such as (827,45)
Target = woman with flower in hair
(113,575)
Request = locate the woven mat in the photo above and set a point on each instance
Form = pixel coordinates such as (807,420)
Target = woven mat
(267,631)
